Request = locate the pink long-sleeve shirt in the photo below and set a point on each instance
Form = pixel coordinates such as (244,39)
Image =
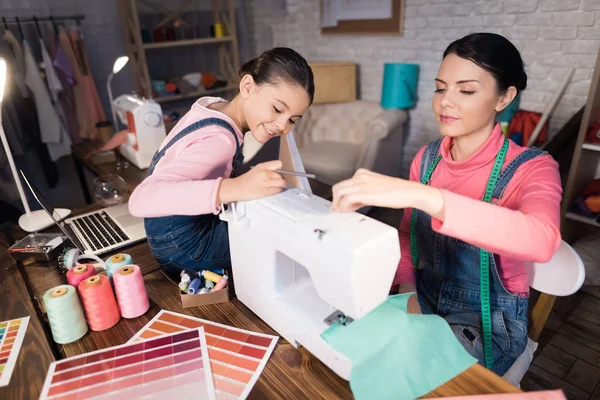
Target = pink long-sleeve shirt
(524,226)
(186,179)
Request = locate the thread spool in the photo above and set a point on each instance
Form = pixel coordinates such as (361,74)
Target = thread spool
(65,314)
(219,30)
(99,302)
(80,273)
(222,283)
(194,286)
(209,285)
(211,276)
(131,292)
(117,261)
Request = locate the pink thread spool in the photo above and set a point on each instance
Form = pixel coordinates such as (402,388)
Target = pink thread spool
(99,302)
(80,273)
(131,292)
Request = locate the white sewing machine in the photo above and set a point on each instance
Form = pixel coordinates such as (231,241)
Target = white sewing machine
(300,267)
(144,120)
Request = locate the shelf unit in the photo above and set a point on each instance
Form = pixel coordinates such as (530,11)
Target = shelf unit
(591,146)
(227,47)
(187,42)
(584,165)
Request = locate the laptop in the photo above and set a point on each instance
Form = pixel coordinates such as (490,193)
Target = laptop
(99,231)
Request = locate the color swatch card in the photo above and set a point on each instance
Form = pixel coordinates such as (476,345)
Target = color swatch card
(11,338)
(169,367)
(237,357)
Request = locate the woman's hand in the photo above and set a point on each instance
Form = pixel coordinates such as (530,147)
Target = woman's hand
(413,306)
(367,188)
(260,181)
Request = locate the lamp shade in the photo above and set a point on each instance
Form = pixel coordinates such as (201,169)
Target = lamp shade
(120,63)
(2,77)
(399,85)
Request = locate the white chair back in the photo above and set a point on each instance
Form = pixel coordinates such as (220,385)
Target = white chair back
(563,275)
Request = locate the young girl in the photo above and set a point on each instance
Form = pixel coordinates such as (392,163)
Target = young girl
(194,171)
(477,205)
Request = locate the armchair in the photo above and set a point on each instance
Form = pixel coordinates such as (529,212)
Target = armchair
(336,139)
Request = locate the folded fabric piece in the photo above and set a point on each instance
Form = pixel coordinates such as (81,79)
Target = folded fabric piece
(396,355)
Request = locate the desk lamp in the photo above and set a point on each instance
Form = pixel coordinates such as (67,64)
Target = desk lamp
(31,221)
(117,66)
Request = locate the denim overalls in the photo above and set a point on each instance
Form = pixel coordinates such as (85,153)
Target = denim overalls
(193,242)
(448,281)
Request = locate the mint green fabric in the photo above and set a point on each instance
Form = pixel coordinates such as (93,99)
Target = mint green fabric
(396,355)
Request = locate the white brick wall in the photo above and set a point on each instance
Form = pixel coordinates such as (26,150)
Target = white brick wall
(551,35)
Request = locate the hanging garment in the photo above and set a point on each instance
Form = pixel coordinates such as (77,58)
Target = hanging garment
(86,127)
(53,131)
(18,73)
(92,100)
(55,88)
(66,77)
(20,118)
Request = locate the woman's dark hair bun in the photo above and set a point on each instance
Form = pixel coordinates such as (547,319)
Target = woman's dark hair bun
(495,54)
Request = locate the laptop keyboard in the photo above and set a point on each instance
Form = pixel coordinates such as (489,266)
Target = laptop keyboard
(100,230)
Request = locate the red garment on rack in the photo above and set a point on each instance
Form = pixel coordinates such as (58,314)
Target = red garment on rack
(93,105)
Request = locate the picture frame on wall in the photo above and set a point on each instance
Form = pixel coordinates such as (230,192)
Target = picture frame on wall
(362,17)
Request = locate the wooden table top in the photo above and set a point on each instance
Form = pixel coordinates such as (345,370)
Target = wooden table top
(290,373)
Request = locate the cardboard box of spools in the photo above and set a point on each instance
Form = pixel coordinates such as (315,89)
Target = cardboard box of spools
(212,297)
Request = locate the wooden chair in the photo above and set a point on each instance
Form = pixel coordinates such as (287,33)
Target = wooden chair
(563,275)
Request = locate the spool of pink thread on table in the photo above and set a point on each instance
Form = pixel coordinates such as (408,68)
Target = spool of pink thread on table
(131,292)
(80,273)
(99,302)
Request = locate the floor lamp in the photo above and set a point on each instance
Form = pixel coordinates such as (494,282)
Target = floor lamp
(31,221)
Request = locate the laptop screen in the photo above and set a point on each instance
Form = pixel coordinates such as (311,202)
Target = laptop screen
(49,210)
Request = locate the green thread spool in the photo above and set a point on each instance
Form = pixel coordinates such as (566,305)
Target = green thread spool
(65,314)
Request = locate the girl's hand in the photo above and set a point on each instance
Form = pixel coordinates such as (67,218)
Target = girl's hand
(367,188)
(260,181)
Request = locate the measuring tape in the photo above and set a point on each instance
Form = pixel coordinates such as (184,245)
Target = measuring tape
(484,256)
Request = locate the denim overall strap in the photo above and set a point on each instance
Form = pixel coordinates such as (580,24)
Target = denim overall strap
(237,159)
(429,161)
(511,168)
(429,157)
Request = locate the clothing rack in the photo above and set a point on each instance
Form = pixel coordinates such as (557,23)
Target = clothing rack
(36,20)
(17,20)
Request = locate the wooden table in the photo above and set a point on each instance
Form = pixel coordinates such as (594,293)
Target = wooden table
(290,373)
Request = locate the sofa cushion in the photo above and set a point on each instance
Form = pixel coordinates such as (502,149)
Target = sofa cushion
(333,161)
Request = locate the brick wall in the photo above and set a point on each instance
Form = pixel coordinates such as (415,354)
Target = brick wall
(550,34)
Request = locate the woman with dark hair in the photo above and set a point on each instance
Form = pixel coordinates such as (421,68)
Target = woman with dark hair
(477,205)
(194,171)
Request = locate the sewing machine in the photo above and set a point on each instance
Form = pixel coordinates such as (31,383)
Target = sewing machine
(144,120)
(302,267)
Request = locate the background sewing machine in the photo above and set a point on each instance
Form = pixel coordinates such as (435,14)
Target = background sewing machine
(301,267)
(144,120)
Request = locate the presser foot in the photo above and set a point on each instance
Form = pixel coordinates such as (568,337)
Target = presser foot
(337,317)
